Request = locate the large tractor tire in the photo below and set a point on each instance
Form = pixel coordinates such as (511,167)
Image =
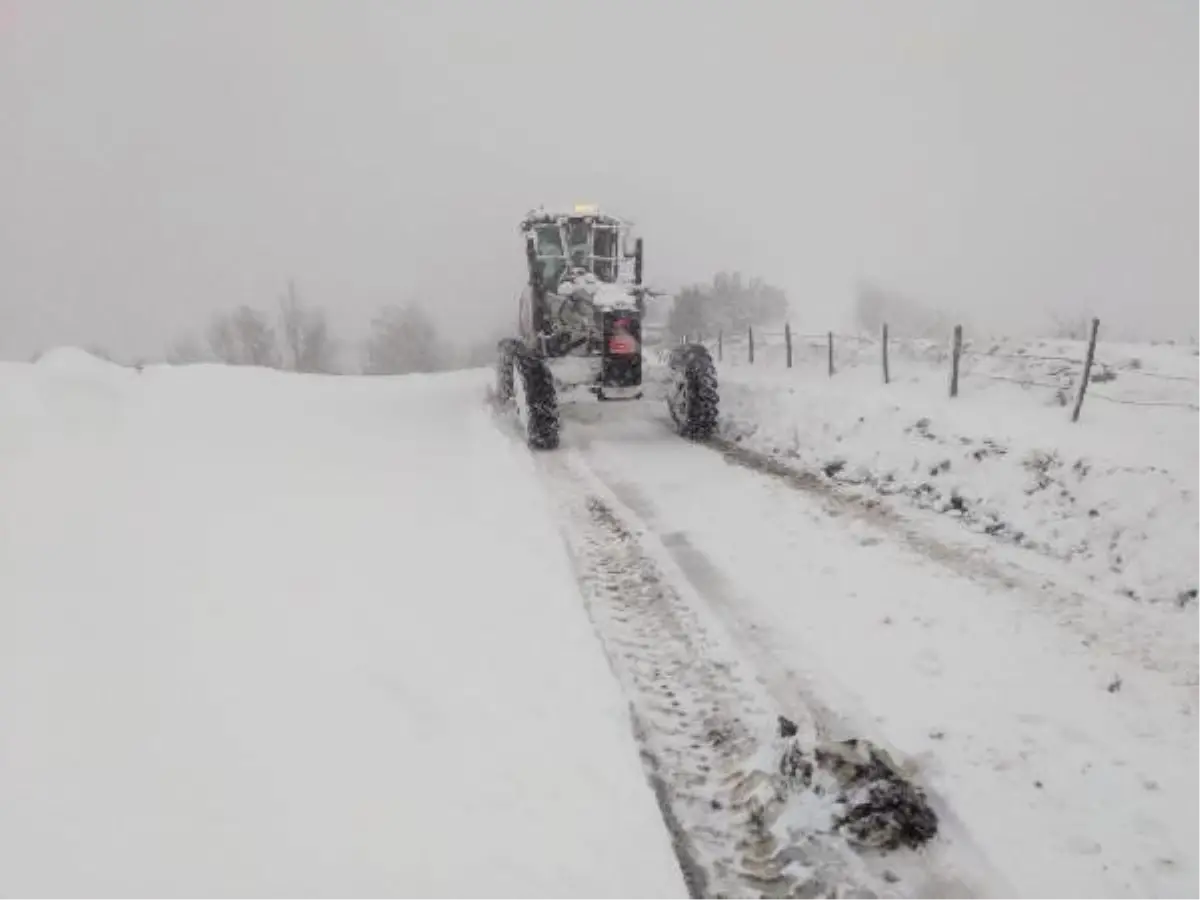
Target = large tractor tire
(505,390)
(692,395)
(537,405)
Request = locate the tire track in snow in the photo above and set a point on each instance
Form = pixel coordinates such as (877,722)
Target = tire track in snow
(953,865)
(994,834)
(1121,629)
(704,721)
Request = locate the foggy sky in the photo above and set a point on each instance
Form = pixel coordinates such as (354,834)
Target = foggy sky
(163,159)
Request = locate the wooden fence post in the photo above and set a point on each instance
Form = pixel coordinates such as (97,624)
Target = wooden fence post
(887,379)
(750,342)
(787,339)
(720,344)
(1087,370)
(955,356)
(831,354)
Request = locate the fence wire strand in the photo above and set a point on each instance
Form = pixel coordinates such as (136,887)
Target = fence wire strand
(1121,370)
(1129,402)
(1187,379)
(1024,382)
(1029,356)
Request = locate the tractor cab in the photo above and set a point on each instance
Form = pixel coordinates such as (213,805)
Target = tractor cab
(585,240)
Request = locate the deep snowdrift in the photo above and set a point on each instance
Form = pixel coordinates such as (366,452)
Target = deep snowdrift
(265,634)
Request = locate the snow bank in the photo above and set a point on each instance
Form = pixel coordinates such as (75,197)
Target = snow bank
(74,361)
(67,393)
(1114,495)
(283,635)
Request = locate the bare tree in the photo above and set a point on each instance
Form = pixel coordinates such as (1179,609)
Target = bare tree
(727,304)
(222,340)
(186,350)
(307,343)
(478,355)
(874,305)
(243,338)
(403,339)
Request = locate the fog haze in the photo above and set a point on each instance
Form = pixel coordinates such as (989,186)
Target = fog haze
(161,161)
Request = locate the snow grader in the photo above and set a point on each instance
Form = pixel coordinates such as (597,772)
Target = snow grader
(580,327)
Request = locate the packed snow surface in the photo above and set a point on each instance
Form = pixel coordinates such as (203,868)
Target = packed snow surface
(272,635)
(1057,734)
(266,634)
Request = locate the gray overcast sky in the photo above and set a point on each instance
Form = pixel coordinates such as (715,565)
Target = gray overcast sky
(160,159)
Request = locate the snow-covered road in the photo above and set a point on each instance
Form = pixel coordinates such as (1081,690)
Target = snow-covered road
(266,634)
(1055,731)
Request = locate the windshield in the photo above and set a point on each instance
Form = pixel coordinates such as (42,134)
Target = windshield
(549,241)
(579,235)
(578,243)
(604,252)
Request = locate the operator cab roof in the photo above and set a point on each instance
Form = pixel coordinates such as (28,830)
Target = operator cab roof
(581,211)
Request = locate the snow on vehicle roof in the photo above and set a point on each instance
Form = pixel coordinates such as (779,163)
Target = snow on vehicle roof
(540,216)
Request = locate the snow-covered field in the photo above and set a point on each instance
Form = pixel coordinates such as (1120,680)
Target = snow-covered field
(271,635)
(1114,495)
(266,633)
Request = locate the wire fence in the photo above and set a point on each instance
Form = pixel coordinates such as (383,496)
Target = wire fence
(1071,378)
(1129,402)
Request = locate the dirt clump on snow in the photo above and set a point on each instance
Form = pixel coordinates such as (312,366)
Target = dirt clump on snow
(883,809)
(877,806)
